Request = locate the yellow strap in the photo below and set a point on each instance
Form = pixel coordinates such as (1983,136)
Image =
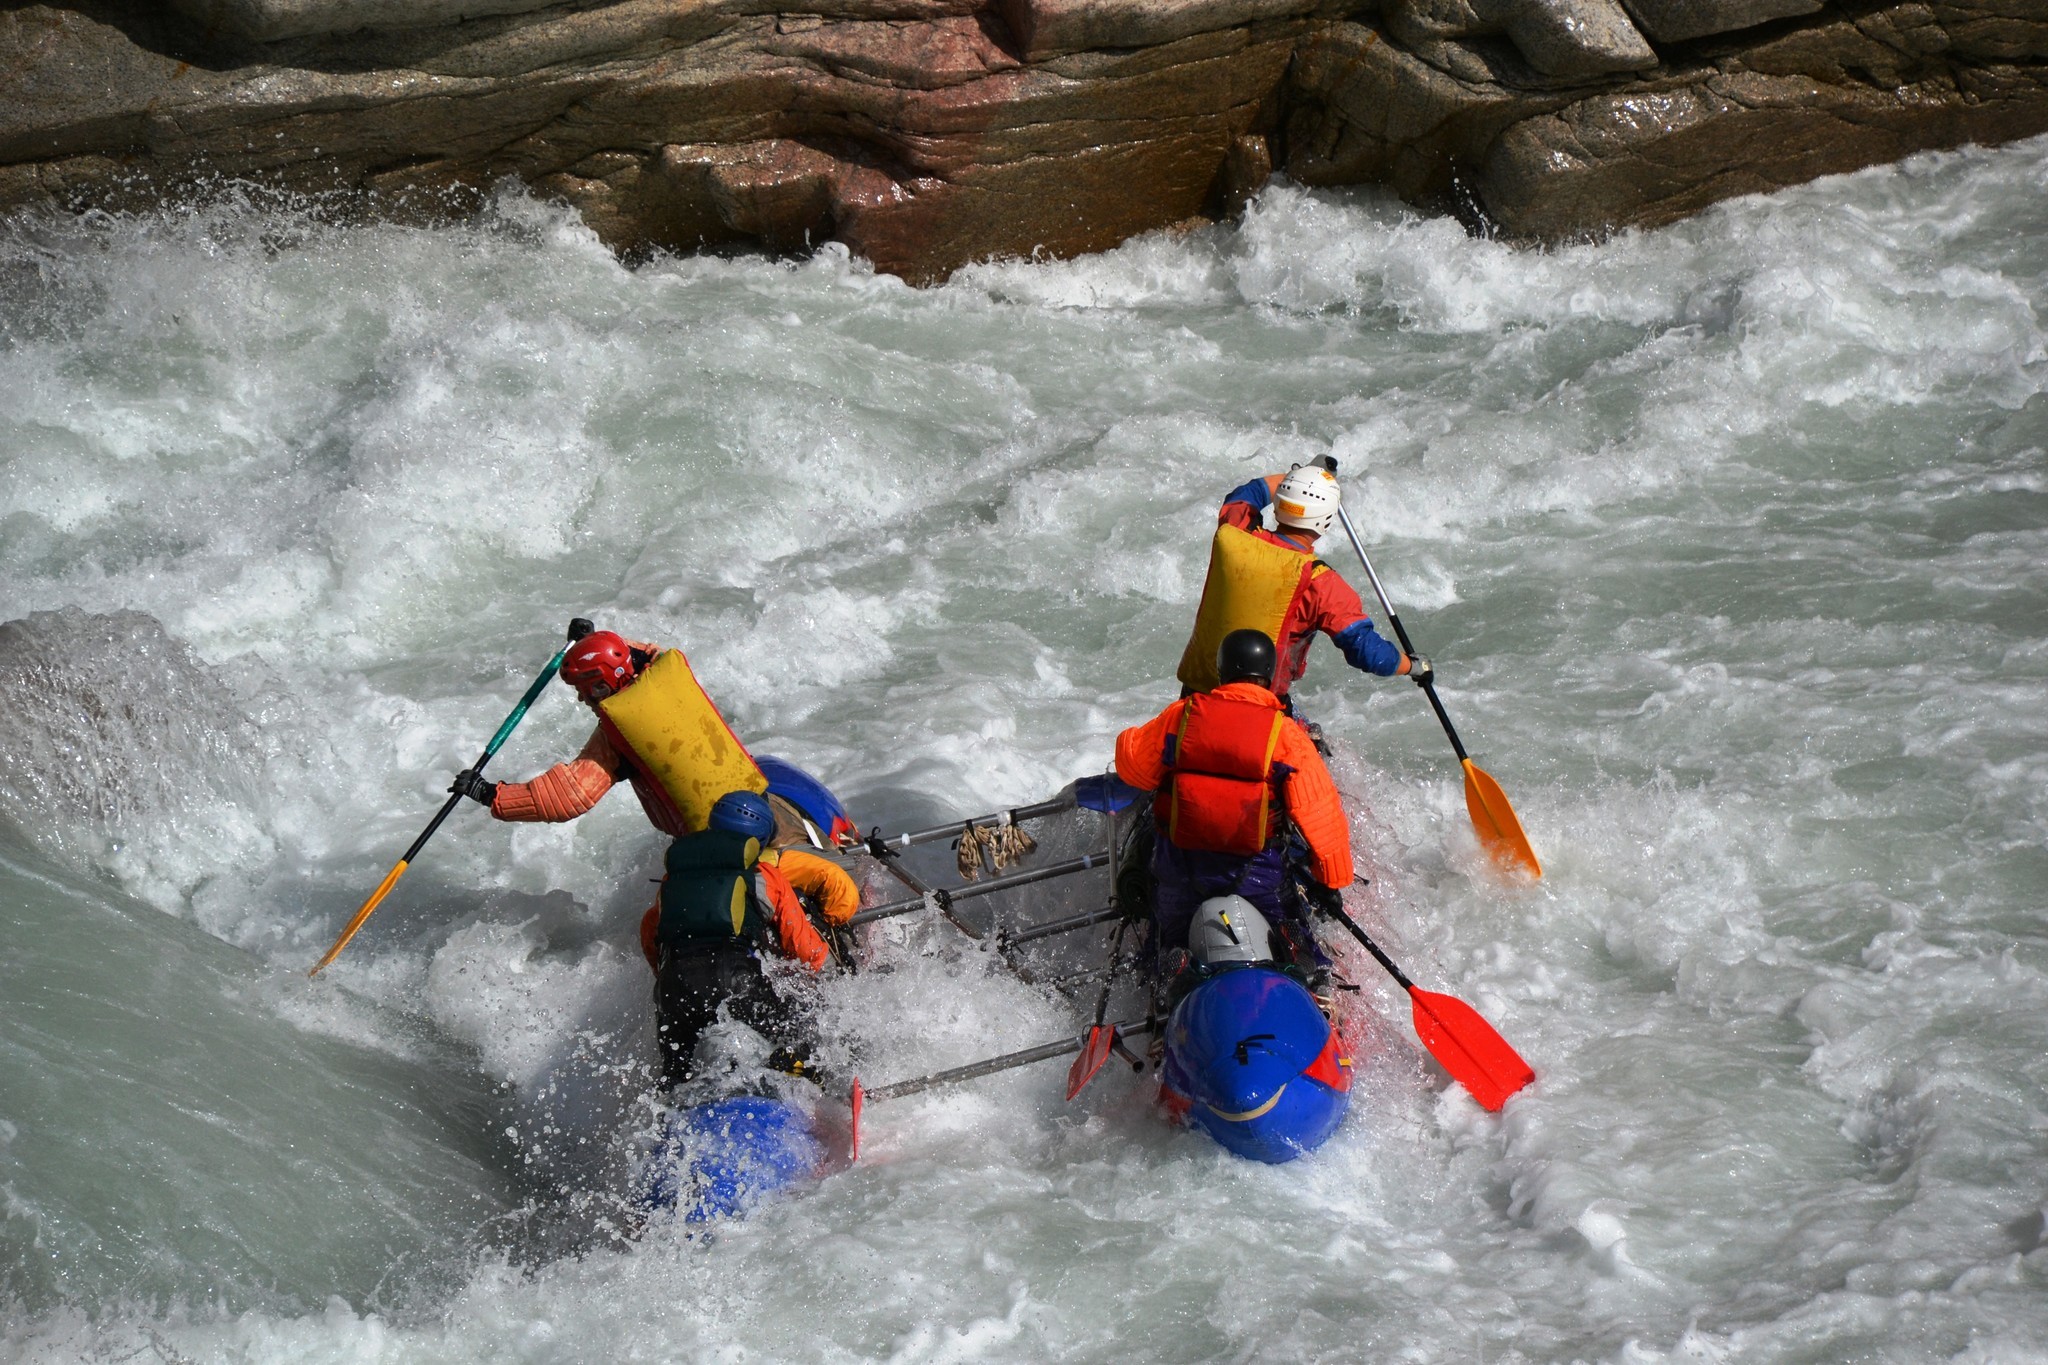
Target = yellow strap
(1266,787)
(1180,738)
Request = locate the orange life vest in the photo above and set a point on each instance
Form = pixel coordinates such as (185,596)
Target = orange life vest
(1219,792)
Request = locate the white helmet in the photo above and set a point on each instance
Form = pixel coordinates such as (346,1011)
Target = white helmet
(1307,498)
(1229,929)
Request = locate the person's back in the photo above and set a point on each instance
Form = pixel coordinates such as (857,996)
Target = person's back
(1271,581)
(1235,778)
(721,910)
(657,729)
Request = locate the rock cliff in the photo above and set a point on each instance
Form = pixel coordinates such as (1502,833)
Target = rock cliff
(929,133)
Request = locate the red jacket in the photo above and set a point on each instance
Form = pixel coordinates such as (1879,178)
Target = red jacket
(1309,793)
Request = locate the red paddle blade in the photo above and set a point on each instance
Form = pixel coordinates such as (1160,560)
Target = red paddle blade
(1475,1054)
(1094,1053)
(853,1142)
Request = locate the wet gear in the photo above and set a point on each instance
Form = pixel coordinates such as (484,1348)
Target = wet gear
(823,885)
(692,982)
(1254,583)
(709,893)
(1221,789)
(1280,588)
(1246,656)
(1324,900)
(743,812)
(1229,929)
(1419,669)
(1309,795)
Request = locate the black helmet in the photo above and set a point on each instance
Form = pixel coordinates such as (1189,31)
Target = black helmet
(1246,656)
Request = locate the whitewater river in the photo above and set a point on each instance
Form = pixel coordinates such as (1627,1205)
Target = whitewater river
(1730,542)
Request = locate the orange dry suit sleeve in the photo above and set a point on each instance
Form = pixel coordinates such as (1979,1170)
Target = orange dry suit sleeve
(821,879)
(564,791)
(1141,750)
(1315,807)
(794,936)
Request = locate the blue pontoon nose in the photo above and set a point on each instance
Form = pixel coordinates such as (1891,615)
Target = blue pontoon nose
(1254,1064)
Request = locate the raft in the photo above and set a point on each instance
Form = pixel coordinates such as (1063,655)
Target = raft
(720,1159)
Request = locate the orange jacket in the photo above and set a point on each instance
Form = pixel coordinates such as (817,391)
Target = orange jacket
(566,790)
(1308,791)
(794,936)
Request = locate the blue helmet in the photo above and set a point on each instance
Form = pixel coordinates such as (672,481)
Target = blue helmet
(743,812)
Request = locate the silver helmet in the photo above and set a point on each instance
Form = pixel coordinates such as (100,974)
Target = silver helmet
(1229,929)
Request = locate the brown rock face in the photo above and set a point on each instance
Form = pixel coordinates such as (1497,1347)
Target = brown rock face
(929,133)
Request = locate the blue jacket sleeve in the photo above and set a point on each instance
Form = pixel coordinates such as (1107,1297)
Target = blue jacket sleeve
(1253,492)
(1364,648)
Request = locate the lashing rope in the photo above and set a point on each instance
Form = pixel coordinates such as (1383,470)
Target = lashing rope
(993,846)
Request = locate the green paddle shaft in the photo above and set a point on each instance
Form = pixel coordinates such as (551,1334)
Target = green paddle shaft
(540,683)
(454,799)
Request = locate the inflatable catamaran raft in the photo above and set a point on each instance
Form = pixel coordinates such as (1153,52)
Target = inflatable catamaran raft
(1245,1054)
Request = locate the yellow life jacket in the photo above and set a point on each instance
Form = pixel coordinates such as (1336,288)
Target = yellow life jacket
(1252,585)
(674,737)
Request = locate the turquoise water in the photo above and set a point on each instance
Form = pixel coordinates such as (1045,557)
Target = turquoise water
(1727,540)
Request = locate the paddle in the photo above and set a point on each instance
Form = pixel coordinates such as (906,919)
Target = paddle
(1095,1048)
(1468,1047)
(454,798)
(1493,819)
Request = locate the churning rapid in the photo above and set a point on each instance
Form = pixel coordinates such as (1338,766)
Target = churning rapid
(1729,542)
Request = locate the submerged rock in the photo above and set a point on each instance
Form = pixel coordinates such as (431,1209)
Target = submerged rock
(929,133)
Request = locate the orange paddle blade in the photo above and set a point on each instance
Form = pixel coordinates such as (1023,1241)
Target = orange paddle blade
(855,1102)
(1494,819)
(383,890)
(1471,1049)
(1094,1053)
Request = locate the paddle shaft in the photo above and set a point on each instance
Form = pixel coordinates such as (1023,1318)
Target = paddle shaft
(968,892)
(1400,631)
(1015,815)
(1338,913)
(1006,1062)
(454,799)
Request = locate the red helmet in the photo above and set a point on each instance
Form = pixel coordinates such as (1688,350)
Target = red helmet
(598,665)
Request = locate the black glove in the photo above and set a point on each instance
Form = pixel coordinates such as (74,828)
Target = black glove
(1324,900)
(470,783)
(1420,670)
(1328,462)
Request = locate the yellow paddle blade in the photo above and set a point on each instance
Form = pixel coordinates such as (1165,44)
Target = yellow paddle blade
(383,890)
(1494,820)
